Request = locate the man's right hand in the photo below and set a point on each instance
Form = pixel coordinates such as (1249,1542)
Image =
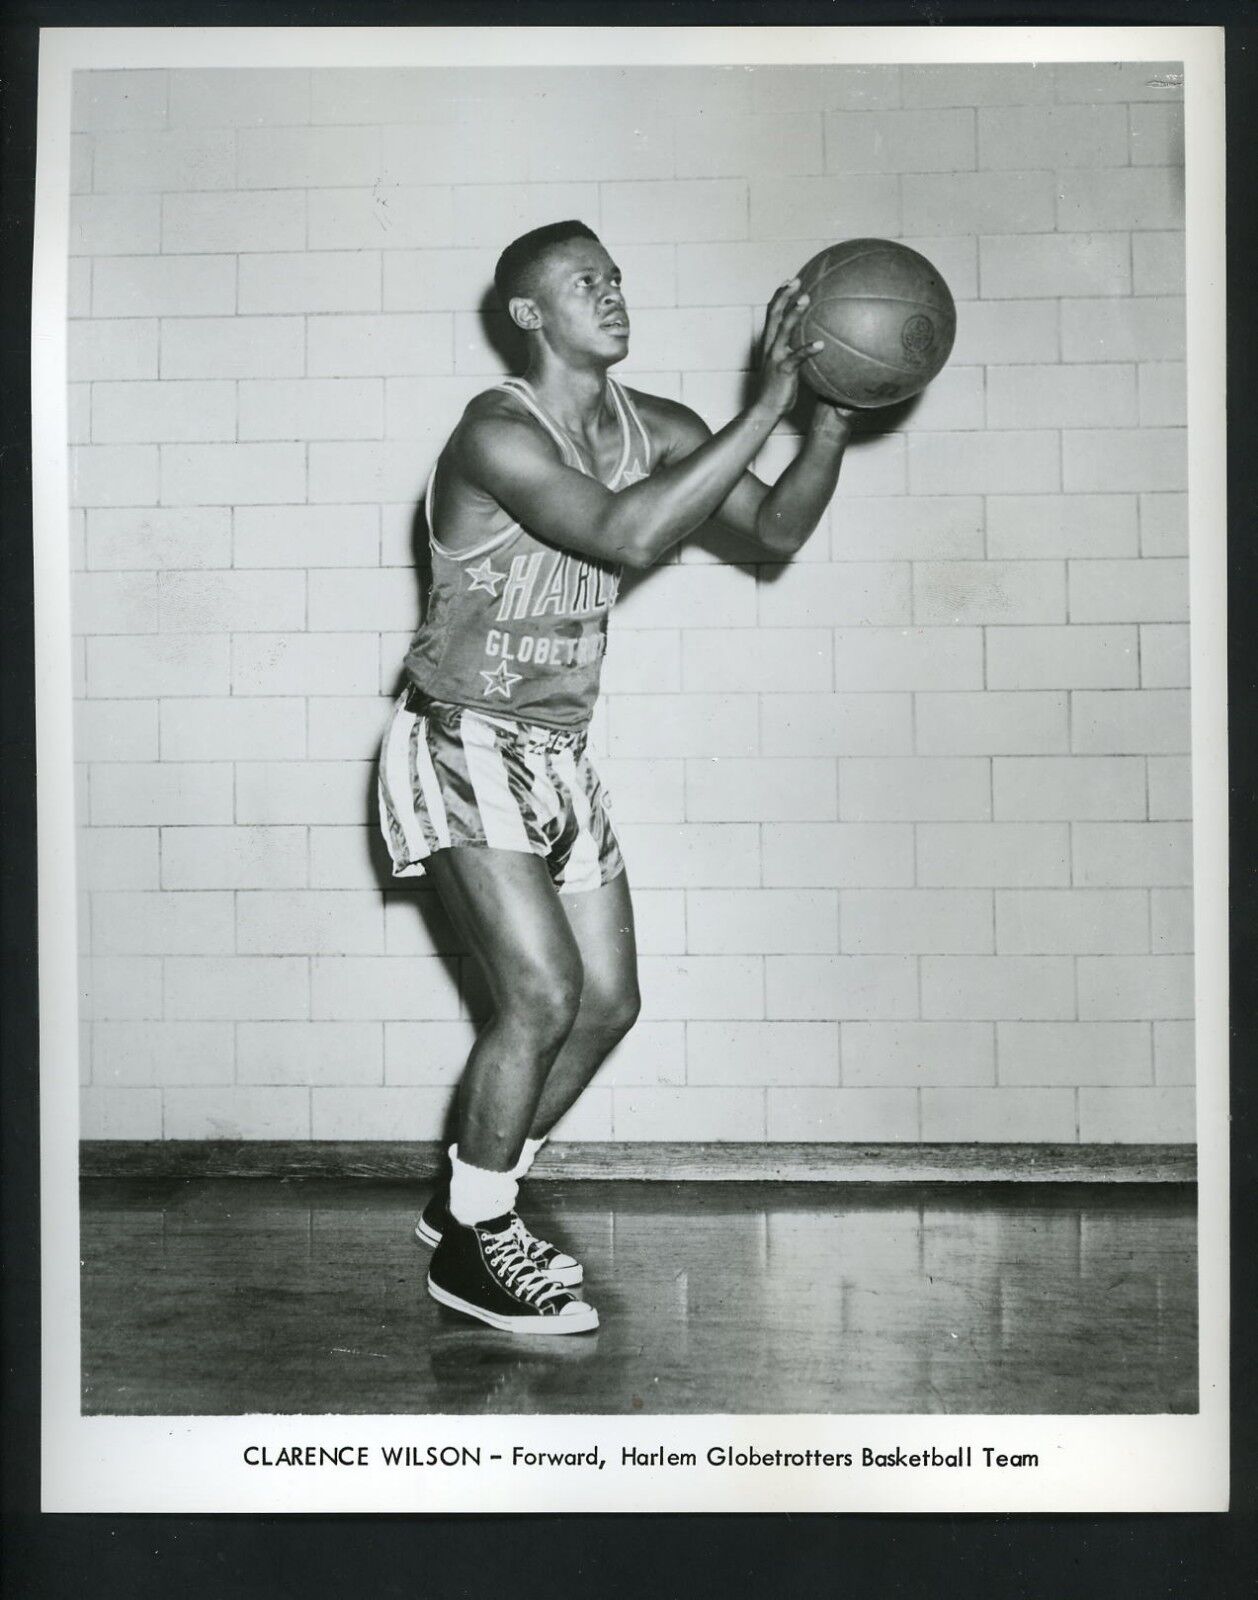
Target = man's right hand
(780,361)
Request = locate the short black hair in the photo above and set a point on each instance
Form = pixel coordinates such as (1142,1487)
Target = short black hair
(515,264)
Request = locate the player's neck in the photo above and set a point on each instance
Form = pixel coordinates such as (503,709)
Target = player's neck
(575,396)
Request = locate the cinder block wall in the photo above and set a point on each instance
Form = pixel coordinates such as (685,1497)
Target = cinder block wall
(907,821)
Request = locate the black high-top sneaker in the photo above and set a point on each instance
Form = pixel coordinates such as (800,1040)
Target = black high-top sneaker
(485,1272)
(434,1219)
(546,1257)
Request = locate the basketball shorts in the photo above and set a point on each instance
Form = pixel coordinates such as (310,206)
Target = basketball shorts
(450,776)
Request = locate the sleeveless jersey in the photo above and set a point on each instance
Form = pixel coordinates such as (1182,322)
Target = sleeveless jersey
(516,626)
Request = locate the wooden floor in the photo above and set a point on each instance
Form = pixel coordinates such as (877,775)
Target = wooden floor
(226,1296)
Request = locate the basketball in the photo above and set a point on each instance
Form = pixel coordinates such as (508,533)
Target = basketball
(885,316)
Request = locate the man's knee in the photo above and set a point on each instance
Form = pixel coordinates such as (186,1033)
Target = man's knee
(613,1011)
(545,999)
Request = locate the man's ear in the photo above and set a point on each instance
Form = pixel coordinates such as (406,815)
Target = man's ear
(524,313)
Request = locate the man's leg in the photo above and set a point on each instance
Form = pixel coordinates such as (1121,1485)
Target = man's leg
(486,1264)
(507,909)
(601,922)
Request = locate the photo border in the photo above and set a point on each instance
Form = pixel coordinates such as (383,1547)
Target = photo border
(1117,1482)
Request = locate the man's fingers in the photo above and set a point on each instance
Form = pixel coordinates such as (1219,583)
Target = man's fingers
(796,358)
(792,316)
(791,319)
(783,294)
(777,309)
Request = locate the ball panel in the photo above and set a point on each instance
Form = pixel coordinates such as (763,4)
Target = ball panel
(845,350)
(887,318)
(863,383)
(884,275)
(911,333)
(876,263)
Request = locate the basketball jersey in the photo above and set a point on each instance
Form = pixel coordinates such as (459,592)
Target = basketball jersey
(516,626)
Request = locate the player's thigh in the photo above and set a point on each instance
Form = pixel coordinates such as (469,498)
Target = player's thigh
(602,926)
(506,908)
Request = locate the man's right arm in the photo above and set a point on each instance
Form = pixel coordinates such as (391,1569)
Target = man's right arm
(634,527)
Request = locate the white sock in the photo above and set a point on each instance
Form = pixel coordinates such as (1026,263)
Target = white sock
(528,1156)
(478,1193)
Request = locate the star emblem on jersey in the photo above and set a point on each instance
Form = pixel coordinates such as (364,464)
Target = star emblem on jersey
(499,681)
(484,577)
(633,474)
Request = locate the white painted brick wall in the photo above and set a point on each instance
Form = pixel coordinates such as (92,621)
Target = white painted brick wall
(789,790)
(1068,789)
(1173,1052)
(791,1054)
(1016,267)
(916,921)
(914,789)
(1075,1053)
(942,1054)
(907,819)
(1073,658)
(224,347)
(1148,328)
(1071,921)
(308,1053)
(1170,788)
(1157,263)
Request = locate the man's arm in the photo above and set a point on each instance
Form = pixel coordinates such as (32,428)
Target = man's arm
(633,528)
(780,518)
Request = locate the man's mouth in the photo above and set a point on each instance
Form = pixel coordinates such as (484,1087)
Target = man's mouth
(616,324)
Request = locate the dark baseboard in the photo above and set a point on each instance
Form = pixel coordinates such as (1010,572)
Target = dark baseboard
(658,1162)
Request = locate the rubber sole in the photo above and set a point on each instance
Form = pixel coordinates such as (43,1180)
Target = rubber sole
(567,1277)
(583,1321)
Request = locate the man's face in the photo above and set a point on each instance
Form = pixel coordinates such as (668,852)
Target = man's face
(580,304)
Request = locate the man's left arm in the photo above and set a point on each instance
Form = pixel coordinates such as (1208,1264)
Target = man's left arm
(776,518)
(779,519)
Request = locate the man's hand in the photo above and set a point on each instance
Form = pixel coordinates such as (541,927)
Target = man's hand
(832,420)
(780,361)
(848,413)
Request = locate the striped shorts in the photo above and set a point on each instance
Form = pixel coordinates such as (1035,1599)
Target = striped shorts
(451,776)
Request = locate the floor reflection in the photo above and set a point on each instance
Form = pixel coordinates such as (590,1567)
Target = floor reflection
(227,1296)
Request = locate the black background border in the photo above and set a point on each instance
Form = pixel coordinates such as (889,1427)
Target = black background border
(1144,1557)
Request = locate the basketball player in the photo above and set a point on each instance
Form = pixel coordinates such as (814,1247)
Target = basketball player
(551,485)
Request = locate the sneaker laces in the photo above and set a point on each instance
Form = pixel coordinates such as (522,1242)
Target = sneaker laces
(515,1270)
(536,1249)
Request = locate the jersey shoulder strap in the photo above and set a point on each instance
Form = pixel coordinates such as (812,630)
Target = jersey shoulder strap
(523,390)
(635,429)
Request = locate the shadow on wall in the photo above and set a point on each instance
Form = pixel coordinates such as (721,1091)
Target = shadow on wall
(720,543)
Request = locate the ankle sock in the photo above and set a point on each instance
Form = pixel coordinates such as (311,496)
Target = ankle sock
(528,1156)
(478,1193)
